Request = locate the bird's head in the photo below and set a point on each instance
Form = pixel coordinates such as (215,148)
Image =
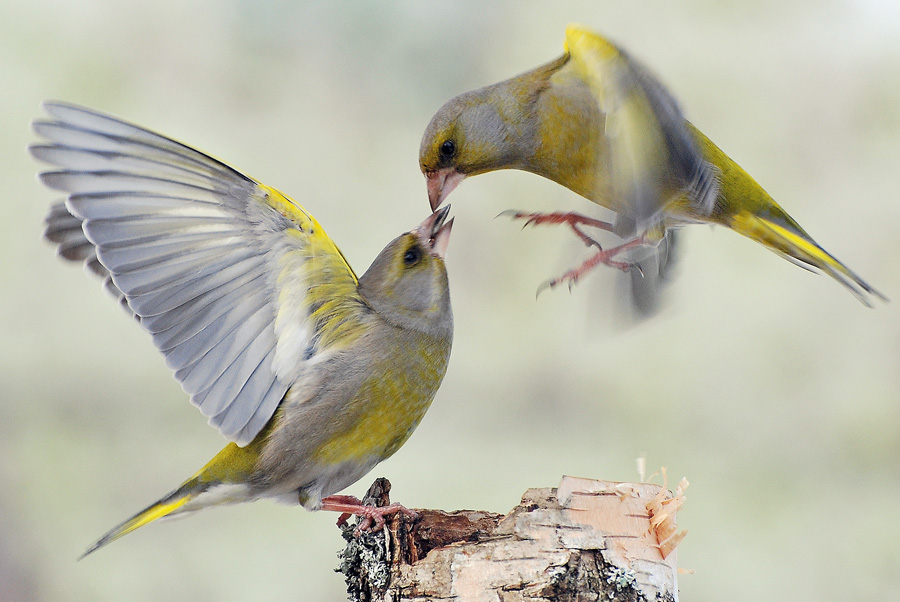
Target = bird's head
(474,133)
(407,283)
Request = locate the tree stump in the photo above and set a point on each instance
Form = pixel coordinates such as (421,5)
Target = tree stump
(583,540)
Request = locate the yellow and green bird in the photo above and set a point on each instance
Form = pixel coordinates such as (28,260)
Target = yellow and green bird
(599,123)
(314,375)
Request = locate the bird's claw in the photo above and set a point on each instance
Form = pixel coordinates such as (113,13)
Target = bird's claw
(570,218)
(573,275)
(575,221)
(531,219)
(546,285)
(372,517)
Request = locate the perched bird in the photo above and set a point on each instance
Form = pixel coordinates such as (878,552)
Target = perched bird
(599,123)
(314,375)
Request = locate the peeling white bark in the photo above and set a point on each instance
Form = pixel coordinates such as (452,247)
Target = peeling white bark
(585,540)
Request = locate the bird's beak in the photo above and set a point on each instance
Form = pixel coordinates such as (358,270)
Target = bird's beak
(435,233)
(441,182)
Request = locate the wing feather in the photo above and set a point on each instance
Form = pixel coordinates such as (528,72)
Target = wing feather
(653,156)
(202,309)
(200,253)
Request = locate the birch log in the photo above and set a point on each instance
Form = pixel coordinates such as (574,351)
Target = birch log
(583,540)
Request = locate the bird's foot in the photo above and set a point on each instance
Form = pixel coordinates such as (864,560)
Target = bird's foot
(373,517)
(602,256)
(572,219)
(575,221)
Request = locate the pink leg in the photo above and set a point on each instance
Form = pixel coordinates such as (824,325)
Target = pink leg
(601,256)
(572,219)
(349,505)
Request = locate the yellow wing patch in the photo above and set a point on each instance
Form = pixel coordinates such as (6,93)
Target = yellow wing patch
(581,41)
(638,159)
(318,302)
(308,226)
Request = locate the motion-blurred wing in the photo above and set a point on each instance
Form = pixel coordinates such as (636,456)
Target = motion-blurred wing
(653,156)
(645,288)
(239,287)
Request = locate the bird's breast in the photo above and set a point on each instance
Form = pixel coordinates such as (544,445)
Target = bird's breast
(390,403)
(571,147)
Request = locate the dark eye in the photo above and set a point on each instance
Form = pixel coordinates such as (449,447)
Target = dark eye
(412,256)
(448,149)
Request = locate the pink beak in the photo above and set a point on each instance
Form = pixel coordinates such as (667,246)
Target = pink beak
(435,233)
(441,183)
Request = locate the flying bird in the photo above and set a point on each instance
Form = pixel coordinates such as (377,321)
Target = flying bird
(598,122)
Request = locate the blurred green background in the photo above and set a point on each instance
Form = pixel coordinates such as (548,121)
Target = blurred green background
(774,391)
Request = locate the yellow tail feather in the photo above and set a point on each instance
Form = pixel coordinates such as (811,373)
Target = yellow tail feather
(219,482)
(164,507)
(796,246)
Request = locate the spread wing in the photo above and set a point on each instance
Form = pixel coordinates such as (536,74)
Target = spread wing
(240,288)
(653,155)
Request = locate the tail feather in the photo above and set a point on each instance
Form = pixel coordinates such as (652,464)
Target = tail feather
(167,506)
(795,245)
(221,481)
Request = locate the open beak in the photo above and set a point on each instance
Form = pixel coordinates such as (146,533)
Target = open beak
(441,183)
(434,232)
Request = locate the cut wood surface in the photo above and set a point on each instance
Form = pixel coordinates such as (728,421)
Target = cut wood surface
(583,540)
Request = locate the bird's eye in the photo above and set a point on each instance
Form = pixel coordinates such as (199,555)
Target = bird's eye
(412,256)
(448,149)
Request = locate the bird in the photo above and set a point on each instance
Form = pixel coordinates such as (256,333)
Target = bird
(600,123)
(312,374)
